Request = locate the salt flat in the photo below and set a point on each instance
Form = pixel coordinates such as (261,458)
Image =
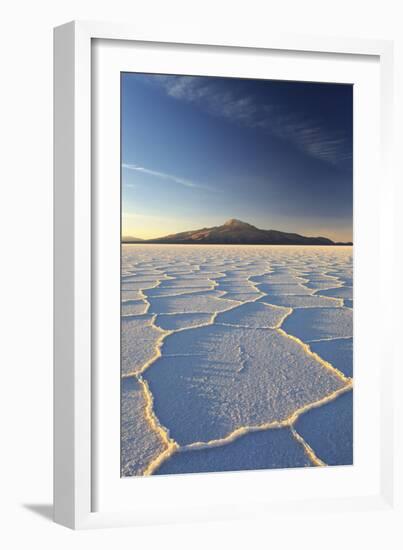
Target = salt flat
(235,357)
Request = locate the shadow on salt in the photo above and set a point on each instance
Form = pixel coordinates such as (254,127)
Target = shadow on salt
(297,301)
(341,292)
(338,352)
(273,448)
(320,323)
(329,430)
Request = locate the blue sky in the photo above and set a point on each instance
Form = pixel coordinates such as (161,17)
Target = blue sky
(197,151)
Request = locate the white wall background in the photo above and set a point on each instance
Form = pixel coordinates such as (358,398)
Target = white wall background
(26,262)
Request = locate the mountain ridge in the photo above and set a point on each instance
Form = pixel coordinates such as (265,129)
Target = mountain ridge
(129,240)
(235,231)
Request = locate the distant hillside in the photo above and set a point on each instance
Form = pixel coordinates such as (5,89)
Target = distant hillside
(237,232)
(131,240)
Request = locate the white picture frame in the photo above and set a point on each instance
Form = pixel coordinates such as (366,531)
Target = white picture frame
(77,431)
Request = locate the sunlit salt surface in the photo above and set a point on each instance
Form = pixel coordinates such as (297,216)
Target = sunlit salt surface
(213,380)
(253,315)
(134,307)
(182,320)
(235,357)
(139,340)
(139,442)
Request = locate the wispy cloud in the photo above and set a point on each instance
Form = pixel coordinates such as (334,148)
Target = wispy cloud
(308,135)
(164,175)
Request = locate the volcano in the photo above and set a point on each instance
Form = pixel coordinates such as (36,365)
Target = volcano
(235,231)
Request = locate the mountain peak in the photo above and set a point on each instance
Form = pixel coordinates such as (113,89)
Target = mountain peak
(234,222)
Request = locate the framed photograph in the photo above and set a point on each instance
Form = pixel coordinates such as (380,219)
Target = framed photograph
(218,208)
